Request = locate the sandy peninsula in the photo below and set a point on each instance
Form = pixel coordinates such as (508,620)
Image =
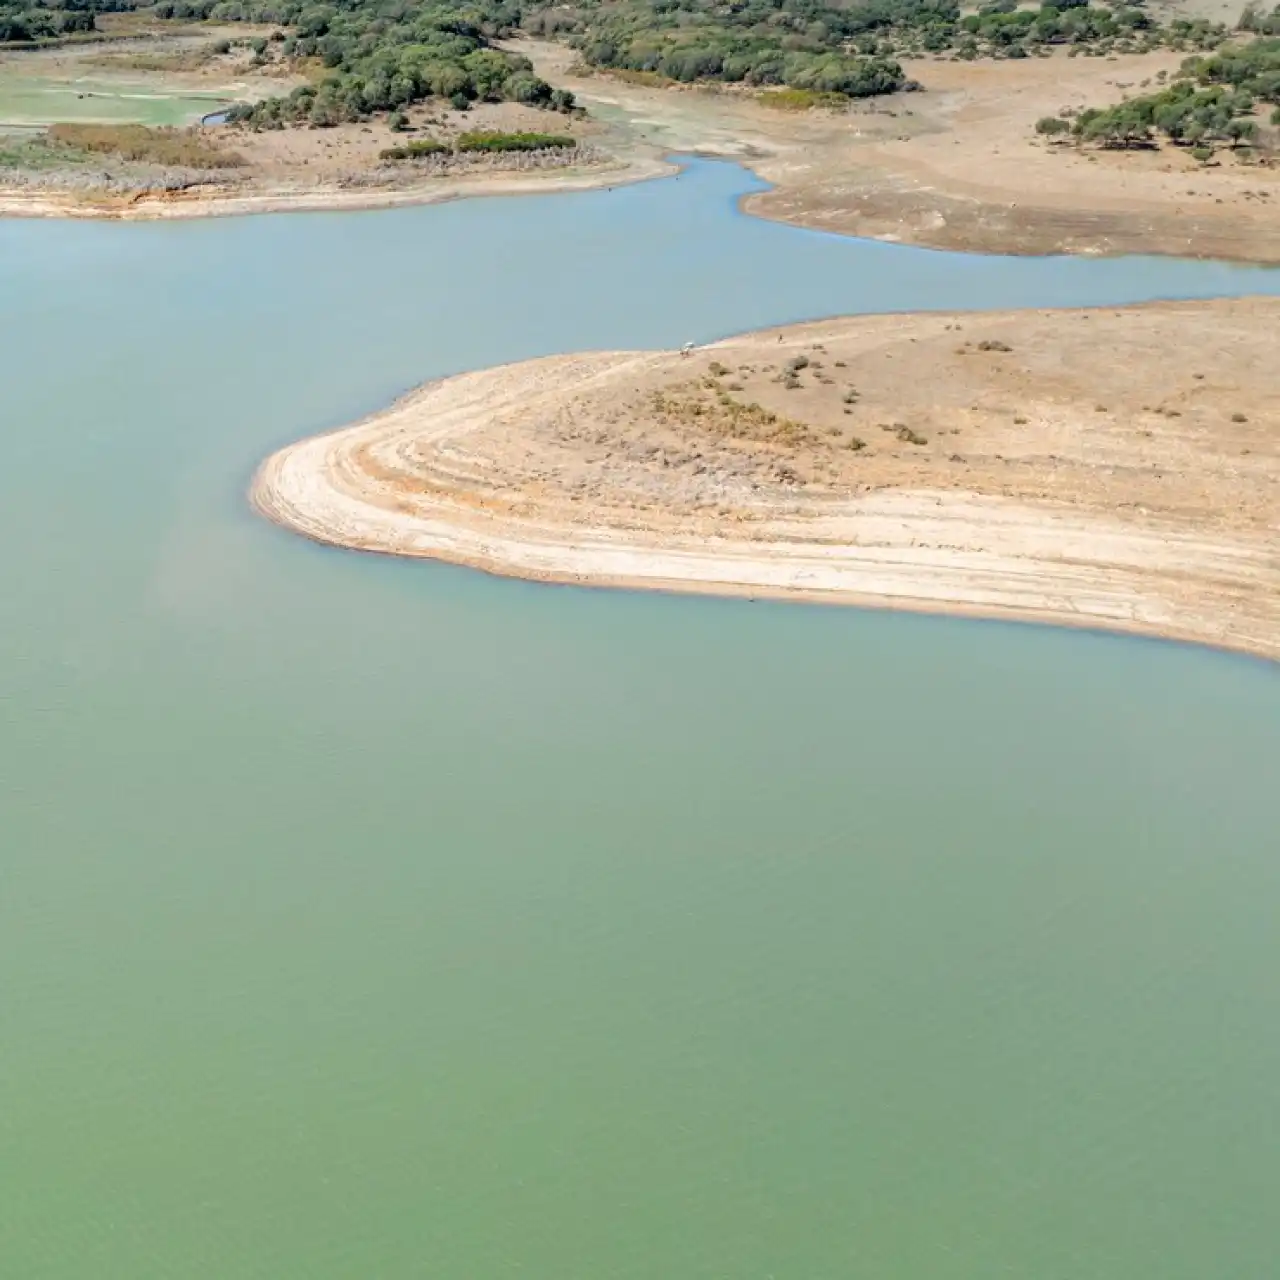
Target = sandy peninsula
(1103,468)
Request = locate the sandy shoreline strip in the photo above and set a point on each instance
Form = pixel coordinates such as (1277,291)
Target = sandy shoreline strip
(601,469)
(321,198)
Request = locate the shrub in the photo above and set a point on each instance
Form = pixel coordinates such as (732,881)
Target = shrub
(1211,100)
(493,140)
(381,58)
(802,100)
(479,143)
(414,150)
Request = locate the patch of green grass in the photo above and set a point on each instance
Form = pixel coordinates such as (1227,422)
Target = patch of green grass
(36,155)
(802,100)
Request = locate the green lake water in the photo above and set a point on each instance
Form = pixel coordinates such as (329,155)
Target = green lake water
(367,918)
(31,102)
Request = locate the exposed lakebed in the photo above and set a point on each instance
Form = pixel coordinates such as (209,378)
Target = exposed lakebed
(366,917)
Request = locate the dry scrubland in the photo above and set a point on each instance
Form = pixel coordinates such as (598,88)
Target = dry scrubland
(967,173)
(1117,468)
(957,166)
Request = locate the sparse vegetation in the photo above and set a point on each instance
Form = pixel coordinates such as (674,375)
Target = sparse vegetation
(172,148)
(725,415)
(904,433)
(117,58)
(1258,21)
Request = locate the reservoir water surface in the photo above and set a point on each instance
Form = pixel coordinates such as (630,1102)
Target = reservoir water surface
(375,918)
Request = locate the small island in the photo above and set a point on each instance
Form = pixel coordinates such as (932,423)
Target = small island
(1110,468)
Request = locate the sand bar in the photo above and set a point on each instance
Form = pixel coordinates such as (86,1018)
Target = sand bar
(1114,468)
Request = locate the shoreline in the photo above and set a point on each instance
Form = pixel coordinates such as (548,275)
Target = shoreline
(36,203)
(640,166)
(262,501)
(755,204)
(955,166)
(433,477)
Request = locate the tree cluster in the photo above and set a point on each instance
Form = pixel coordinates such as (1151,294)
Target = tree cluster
(383,56)
(1183,113)
(1002,25)
(803,44)
(1001,28)
(843,47)
(1257,20)
(23,22)
(1213,101)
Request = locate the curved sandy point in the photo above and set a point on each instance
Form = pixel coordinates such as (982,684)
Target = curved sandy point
(1002,487)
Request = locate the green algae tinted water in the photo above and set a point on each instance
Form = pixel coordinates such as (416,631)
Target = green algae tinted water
(368,918)
(31,102)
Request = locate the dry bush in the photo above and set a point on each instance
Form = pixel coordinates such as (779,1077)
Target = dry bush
(173,148)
